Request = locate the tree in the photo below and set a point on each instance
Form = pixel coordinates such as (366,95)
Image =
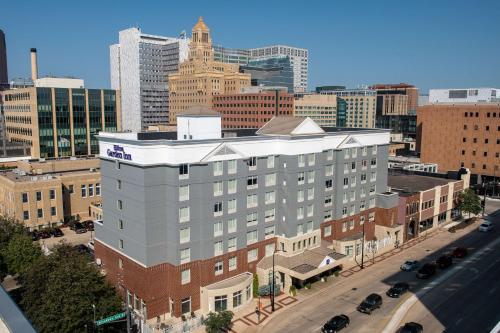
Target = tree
(469,202)
(255,285)
(8,228)
(20,253)
(217,321)
(59,290)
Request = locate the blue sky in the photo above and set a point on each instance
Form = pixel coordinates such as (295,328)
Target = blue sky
(432,44)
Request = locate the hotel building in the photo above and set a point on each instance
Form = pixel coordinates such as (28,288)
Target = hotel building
(320,108)
(189,217)
(360,106)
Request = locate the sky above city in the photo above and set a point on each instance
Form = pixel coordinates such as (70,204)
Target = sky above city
(429,43)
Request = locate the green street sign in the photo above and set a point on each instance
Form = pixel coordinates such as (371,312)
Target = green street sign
(111,318)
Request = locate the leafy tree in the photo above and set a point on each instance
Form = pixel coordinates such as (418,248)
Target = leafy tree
(255,285)
(8,228)
(59,290)
(20,253)
(469,202)
(217,321)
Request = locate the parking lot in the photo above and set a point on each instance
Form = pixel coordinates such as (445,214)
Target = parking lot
(69,237)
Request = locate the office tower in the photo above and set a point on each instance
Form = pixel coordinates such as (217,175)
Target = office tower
(298,57)
(254,107)
(200,77)
(58,122)
(396,99)
(140,65)
(270,72)
(360,106)
(4,76)
(320,108)
(466,95)
(231,56)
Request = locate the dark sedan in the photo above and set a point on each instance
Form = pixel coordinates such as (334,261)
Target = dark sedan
(80,228)
(398,289)
(336,324)
(44,234)
(372,302)
(426,271)
(411,327)
(89,225)
(56,232)
(444,261)
(459,252)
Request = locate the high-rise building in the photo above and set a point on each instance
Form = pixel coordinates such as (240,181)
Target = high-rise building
(4,76)
(299,59)
(58,122)
(253,107)
(140,65)
(186,222)
(200,77)
(320,108)
(360,106)
(231,56)
(466,95)
(270,72)
(391,100)
(460,135)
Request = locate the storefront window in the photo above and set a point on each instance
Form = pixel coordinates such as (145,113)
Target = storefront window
(221,303)
(186,305)
(237,299)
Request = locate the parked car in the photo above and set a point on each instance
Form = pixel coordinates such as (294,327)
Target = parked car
(72,224)
(89,225)
(56,232)
(44,234)
(398,289)
(79,228)
(34,235)
(411,327)
(486,226)
(459,252)
(372,302)
(426,271)
(409,265)
(444,261)
(336,324)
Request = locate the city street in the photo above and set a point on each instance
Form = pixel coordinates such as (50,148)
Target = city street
(344,297)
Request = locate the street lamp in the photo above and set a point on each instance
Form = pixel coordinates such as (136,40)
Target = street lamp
(273,281)
(363,247)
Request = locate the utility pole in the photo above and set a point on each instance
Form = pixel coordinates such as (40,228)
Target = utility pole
(363,247)
(128,312)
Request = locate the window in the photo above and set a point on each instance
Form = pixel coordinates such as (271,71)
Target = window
(25,197)
(231,225)
(364,151)
(251,219)
(353,181)
(310,177)
(374,150)
(231,206)
(371,217)
(84,192)
(251,200)
(186,305)
(91,190)
(231,167)
(185,235)
(311,159)
(218,248)
(270,197)
(218,208)
(98,189)
(328,184)
(183,192)
(372,202)
(183,171)
(364,164)
(252,255)
(310,194)
(269,231)
(53,211)
(218,229)
(344,226)
(328,200)
(120,263)
(52,194)
(252,182)
(328,216)
(344,210)
(218,168)
(362,205)
(218,188)
(300,195)
(329,155)
(310,210)
(185,276)
(372,190)
(233,264)
(271,179)
(270,162)
(300,229)
(300,178)
(252,163)
(119,204)
(329,170)
(220,303)
(301,160)
(309,226)
(231,186)
(71,189)
(183,214)
(251,237)
(120,224)
(121,244)
(118,184)
(373,176)
(327,231)
(353,196)
(231,244)
(26,215)
(346,182)
(346,168)
(346,153)
(300,213)
(353,166)
(269,215)
(185,255)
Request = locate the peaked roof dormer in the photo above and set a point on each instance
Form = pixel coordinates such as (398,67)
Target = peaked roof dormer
(290,126)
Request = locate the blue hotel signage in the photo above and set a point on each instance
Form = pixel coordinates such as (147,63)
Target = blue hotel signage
(119,152)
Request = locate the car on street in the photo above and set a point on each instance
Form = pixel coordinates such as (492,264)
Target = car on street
(486,226)
(459,252)
(336,324)
(80,228)
(427,270)
(411,327)
(370,303)
(56,232)
(398,289)
(409,265)
(89,225)
(444,261)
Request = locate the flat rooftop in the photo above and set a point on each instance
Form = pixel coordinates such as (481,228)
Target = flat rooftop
(415,183)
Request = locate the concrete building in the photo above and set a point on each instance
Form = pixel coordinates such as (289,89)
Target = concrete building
(360,106)
(60,82)
(320,108)
(270,72)
(140,65)
(45,193)
(200,77)
(58,122)
(187,221)
(299,59)
(465,95)
(461,135)
(390,100)
(252,108)
(230,55)
(4,75)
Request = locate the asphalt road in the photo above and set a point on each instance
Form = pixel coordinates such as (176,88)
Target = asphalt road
(312,314)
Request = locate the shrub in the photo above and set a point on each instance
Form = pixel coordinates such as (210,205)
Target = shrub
(308,285)
(216,322)
(293,290)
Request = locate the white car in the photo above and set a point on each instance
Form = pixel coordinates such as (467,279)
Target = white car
(486,226)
